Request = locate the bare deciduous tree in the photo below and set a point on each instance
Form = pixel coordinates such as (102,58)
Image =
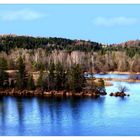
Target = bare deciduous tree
(122,88)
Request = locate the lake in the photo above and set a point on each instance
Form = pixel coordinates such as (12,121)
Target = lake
(105,116)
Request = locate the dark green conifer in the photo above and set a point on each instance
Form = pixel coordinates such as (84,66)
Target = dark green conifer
(21,76)
(30,83)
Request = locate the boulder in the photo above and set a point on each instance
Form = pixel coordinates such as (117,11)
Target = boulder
(111,94)
(77,94)
(47,94)
(68,94)
(87,94)
(58,94)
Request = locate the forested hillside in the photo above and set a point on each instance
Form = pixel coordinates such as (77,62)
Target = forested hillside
(9,42)
(39,52)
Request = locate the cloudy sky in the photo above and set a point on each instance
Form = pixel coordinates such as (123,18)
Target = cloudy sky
(102,23)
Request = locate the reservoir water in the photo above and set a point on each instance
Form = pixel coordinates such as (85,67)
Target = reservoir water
(105,116)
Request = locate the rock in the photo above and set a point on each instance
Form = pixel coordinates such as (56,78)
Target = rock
(111,94)
(116,94)
(13,90)
(77,94)
(124,94)
(47,94)
(58,94)
(87,94)
(97,95)
(68,94)
(93,94)
(64,93)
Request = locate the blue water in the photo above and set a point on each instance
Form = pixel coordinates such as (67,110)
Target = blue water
(106,116)
(123,76)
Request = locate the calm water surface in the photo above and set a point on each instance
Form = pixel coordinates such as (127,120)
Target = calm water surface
(103,116)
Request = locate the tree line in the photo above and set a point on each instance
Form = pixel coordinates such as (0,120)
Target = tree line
(27,42)
(38,53)
(38,59)
(8,42)
(54,78)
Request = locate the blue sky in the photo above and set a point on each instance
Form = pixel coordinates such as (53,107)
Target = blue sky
(101,23)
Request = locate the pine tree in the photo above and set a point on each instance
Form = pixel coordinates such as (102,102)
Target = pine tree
(40,79)
(3,64)
(3,78)
(21,76)
(31,84)
(59,76)
(51,77)
(76,78)
(3,74)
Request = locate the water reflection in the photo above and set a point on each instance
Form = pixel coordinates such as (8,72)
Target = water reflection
(41,106)
(72,116)
(20,113)
(2,115)
(75,109)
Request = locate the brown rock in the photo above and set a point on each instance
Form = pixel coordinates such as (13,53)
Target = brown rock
(68,94)
(47,94)
(111,94)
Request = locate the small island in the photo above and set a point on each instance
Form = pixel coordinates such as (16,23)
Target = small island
(57,81)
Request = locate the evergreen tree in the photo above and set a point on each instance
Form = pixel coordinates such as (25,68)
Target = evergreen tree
(45,82)
(65,79)
(40,79)
(3,78)
(21,76)
(3,64)
(59,76)
(76,78)
(51,77)
(3,74)
(31,84)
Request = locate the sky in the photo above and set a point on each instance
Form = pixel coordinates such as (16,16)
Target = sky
(101,23)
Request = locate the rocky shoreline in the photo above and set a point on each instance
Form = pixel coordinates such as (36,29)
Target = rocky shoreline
(41,93)
(51,94)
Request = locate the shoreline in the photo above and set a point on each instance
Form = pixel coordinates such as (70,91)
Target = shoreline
(121,80)
(50,94)
(119,72)
(107,83)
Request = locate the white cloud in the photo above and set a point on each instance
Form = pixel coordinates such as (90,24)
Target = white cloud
(115,21)
(24,14)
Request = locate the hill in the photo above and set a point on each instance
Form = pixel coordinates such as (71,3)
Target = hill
(8,42)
